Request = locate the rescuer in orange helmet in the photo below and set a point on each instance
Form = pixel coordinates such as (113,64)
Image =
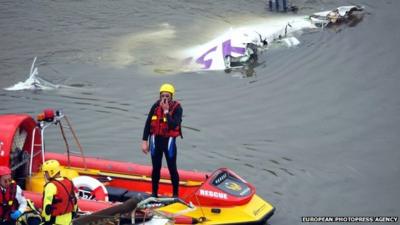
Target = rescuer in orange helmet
(11,197)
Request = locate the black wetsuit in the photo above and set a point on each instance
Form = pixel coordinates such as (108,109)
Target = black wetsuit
(277,8)
(160,145)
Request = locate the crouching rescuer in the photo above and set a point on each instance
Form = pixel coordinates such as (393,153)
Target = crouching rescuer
(59,197)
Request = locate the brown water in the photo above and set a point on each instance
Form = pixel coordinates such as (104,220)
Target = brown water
(316,129)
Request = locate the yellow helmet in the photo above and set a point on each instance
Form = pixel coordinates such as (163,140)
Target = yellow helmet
(52,167)
(167,88)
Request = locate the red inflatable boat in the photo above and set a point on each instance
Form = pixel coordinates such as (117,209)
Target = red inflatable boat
(221,197)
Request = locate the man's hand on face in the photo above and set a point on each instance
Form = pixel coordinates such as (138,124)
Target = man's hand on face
(164,104)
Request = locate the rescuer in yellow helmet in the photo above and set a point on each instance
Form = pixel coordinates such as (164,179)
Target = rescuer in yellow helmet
(162,126)
(59,199)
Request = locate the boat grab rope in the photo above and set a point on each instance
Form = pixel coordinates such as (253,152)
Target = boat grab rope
(203,218)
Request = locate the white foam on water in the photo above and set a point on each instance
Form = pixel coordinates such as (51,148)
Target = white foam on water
(291,41)
(34,82)
(134,47)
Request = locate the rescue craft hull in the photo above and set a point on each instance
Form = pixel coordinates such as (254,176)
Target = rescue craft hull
(255,211)
(221,197)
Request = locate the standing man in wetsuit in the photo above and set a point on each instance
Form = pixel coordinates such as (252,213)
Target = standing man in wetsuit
(162,126)
(59,197)
(13,202)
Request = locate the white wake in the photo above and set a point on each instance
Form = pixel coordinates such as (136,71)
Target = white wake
(34,82)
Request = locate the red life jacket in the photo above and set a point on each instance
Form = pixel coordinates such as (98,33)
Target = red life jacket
(159,125)
(8,201)
(65,199)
